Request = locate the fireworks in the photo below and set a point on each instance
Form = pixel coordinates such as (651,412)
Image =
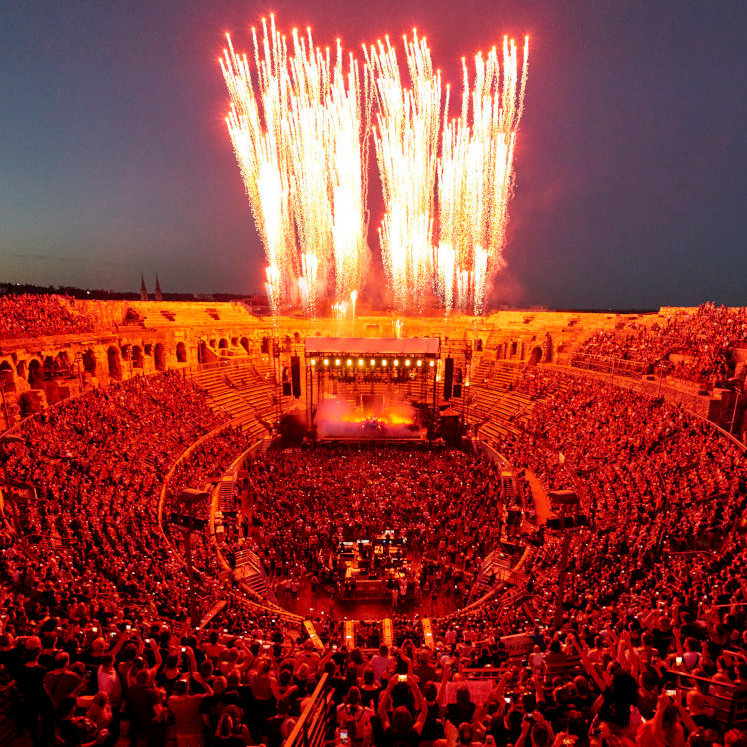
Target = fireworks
(406,139)
(300,132)
(475,178)
(296,130)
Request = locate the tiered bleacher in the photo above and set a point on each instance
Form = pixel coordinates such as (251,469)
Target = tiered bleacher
(693,345)
(628,628)
(32,315)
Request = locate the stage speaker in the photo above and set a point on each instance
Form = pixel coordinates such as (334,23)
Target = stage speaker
(457,390)
(296,376)
(286,389)
(448,377)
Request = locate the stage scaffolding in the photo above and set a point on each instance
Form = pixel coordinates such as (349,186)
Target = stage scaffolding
(412,369)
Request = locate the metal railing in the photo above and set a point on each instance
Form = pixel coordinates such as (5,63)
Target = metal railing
(311,728)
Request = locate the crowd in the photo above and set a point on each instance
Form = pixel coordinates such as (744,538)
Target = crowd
(444,507)
(204,464)
(95,465)
(30,315)
(639,639)
(697,346)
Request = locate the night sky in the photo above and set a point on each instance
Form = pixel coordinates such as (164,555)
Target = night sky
(630,161)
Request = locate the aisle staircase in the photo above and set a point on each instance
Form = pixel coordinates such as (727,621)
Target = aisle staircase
(495,568)
(250,573)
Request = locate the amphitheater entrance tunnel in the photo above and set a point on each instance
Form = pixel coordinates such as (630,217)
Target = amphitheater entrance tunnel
(535,356)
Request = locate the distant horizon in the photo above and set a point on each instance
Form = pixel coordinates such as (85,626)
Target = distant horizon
(99,294)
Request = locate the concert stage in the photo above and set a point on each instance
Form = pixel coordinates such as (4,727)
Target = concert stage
(371,389)
(420,437)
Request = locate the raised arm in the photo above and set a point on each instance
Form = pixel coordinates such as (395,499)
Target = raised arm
(588,666)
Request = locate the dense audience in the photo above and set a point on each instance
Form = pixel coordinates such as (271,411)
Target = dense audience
(696,346)
(638,639)
(30,315)
(444,507)
(202,466)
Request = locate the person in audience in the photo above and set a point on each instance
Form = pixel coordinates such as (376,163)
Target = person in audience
(644,635)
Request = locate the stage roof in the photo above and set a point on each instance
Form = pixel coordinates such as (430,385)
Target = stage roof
(426,346)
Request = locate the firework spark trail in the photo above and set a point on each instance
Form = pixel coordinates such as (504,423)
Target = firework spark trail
(307,151)
(406,141)
(259,149)
(475,177)
(348,166)
(300,133)
(296,133)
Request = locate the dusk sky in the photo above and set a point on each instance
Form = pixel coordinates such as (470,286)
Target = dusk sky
(630,162)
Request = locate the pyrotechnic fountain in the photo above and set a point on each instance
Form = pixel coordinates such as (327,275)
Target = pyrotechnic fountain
(300,133)
(475,178)
(296,129)
(406,139)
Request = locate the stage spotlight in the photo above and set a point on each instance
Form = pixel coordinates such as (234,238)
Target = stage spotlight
(337,361)
(431,364)
(407,362)
(396,363)
(349,362)
(373,362)
(313,361)
(360,361)
(420,363)
(326,361)
(383,363)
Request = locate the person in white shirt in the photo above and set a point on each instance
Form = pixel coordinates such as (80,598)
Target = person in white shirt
(382,663)
(109,681)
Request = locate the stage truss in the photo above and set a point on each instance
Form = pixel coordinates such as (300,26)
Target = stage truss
(411,370)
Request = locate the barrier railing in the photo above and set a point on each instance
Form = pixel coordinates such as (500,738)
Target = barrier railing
(728,700)
(311,728)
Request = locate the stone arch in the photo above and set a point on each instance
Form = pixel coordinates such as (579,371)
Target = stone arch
(159,357)
(535,356)
(297,336)
(137,357)
(36,374)
(222,343)
(7,378)
(89,362)
(548,349)
(202,351)
(514,348)
(478,345)
(266,345)
(244,343)
(21,369)
(181,352)
(63,361)
(114,362)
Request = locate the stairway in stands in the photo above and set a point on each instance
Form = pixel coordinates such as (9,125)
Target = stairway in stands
(250,572)
(242,392)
